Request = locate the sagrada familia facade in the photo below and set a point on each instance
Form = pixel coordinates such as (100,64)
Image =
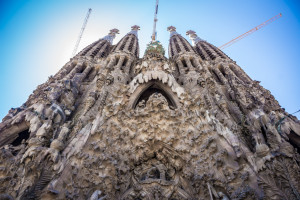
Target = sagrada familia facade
(111,125)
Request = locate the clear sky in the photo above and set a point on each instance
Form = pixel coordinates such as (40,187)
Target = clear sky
(37,38)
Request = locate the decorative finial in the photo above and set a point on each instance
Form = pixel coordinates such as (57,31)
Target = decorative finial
(172,30)
(114,31)
(134,30)
(193,36)
(111,35)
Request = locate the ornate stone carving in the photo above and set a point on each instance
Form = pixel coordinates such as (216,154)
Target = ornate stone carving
(193,126)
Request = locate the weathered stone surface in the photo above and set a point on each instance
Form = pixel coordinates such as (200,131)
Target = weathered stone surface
(111,125)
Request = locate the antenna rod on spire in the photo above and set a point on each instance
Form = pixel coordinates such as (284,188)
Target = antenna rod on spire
(155,20)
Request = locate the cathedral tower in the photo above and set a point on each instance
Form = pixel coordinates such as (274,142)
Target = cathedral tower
(112,125)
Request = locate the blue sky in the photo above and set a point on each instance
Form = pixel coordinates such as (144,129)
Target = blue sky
(37,38)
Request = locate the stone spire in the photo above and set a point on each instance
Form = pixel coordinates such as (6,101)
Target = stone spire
(178,44)
(101,47)
(129,42)
(206,50)
(193,36)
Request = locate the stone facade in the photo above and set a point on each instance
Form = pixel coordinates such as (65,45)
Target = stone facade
(111,125)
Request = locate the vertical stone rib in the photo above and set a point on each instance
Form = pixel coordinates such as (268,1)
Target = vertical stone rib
(174,48)
(112,62)
(220,75)
(180,66)
(135,44)
(119,44)
(74,71)
(128,65)
(120,63)
(188,45)
(86,72)
(197,63)
(188,63)
(126,48)
(180,45)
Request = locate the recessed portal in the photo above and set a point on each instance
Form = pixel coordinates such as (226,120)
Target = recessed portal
(152,90)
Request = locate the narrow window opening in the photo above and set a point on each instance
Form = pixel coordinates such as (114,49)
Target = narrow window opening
(177,67)
(103,54)
(263,131)
(81,69)
(24,135)
(124,62)
(117,60)
(184,63)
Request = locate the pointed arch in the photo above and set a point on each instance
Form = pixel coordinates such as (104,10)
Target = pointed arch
(144,91)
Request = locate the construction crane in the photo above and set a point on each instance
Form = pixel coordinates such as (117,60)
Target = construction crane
(155,20)
(250,32)
(81,31)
